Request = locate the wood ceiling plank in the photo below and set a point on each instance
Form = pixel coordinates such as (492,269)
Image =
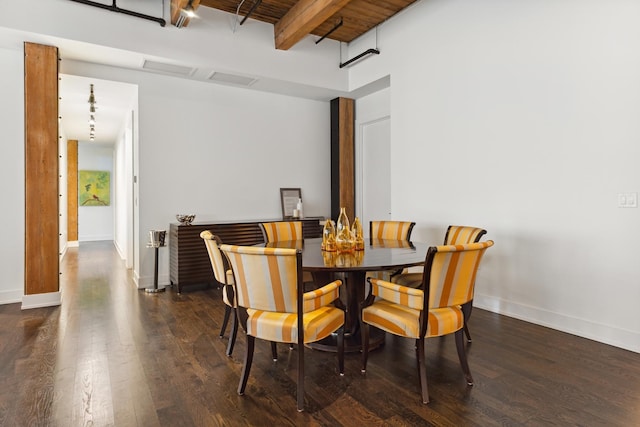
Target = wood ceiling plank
(302,19)
(359,16)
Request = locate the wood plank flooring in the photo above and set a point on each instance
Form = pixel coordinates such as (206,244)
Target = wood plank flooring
(112,355)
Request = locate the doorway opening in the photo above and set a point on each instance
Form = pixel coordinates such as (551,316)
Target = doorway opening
(110,158)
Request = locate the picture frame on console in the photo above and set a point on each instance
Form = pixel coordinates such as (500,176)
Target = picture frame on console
(289,200)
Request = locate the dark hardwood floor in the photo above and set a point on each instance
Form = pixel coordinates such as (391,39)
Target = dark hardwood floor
(113,355)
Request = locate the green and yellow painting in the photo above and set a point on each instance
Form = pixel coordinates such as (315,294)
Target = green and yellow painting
(94,188)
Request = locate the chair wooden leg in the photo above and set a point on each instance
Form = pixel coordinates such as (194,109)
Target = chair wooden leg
(462,355)
(234,331)
(225,320)
(466,332)
(274,351)
(364,331)
(466,312)
(424,388)
(341,351)
(300,376)
(248,358)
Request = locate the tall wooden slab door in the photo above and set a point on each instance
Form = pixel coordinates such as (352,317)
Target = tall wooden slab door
(41,169)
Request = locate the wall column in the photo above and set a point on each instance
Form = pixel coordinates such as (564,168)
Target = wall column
(342,157)
(42,268)
(72,190)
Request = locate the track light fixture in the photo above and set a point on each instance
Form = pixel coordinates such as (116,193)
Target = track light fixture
(189,11)
(186,13)
(92,114)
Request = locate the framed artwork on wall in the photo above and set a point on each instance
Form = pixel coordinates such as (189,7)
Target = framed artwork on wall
(94,188)
(289,200)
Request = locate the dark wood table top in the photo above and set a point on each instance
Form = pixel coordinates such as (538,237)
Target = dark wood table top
(377,255)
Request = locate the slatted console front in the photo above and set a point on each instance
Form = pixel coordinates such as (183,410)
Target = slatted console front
(189,263)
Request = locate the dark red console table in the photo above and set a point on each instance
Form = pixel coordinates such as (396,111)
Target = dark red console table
(189,263)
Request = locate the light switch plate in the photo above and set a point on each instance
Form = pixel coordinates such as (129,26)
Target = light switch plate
(628,200)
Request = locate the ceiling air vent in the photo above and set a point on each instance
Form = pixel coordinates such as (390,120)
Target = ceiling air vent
(232,79)
(168,68)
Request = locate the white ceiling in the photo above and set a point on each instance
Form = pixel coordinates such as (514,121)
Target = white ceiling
(114,101)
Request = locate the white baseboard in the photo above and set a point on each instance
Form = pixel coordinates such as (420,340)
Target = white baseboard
(119,250)
(73,244)
(95,238)
(147,282)
(11,297)
(617,337)
(48,299)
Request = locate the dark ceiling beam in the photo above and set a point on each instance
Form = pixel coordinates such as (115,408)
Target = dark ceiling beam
(114,8)
(302,19)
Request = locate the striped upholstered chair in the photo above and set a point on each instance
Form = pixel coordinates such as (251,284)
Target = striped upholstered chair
(432,310)
(391,230)
(281,230)
(273,307)
(388,230)
(224,277)
(455,235)
(284,231)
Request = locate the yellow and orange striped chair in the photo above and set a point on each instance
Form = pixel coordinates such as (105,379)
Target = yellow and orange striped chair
(391,230)
(281,230)
(455,235)
(435,309)
(272,305)
(399,231)
(225,278)
(284,231)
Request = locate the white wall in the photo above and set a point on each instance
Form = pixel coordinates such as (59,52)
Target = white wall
(123,187)
(12,176)
(522,117)
(96,222)
(219,152)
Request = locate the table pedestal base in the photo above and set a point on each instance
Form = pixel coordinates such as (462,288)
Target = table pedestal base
(351,294)
(352,342)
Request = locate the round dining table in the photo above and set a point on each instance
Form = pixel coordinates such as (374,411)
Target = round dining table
(352,268)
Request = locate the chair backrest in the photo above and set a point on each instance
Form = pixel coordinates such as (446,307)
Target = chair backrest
(266,278)
(450,273)
(461,234)
(281,230)
(392,230)
(212,241)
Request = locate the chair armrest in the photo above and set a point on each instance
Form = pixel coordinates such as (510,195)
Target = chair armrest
(398,294)
(229,275)
(321,297)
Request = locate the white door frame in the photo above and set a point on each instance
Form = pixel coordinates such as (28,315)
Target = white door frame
(360,169)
